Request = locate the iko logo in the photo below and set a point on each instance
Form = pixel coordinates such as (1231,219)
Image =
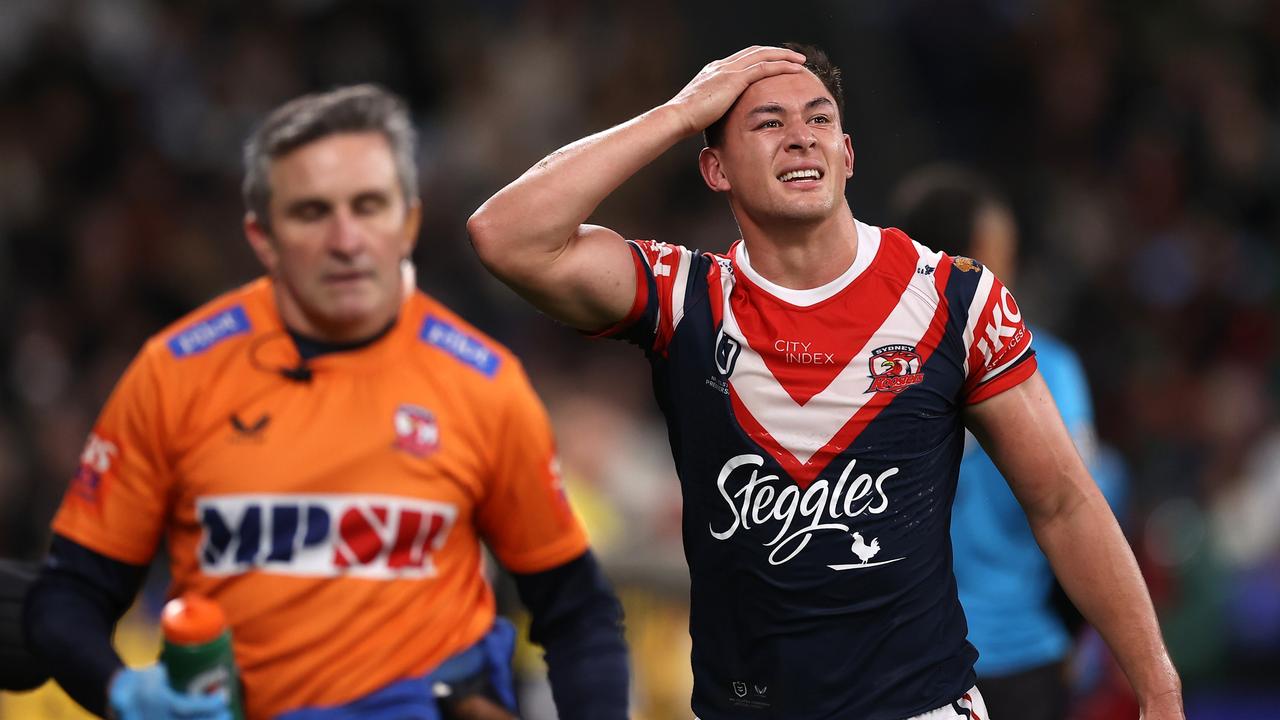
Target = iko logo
(370,536)
(997,330)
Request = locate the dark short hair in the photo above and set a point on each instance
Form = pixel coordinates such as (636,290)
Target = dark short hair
(817,62)
(938,206)
(303,120)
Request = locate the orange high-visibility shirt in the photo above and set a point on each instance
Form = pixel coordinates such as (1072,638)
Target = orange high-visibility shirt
(336,519)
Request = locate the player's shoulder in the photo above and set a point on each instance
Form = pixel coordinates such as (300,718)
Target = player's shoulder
(657,253)
(457,346)
(217,327)
(896,241)
(962,277)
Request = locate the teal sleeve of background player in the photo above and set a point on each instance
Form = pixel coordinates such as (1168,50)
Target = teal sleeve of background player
(1065,377)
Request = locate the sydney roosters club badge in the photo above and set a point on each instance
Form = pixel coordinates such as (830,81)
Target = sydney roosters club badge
(894,368)
(416,430)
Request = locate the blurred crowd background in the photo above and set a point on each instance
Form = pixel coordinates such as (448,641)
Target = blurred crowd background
(1139,143)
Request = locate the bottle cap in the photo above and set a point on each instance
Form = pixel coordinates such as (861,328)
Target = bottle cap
(192,619)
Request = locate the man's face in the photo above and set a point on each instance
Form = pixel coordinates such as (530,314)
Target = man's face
(339,228)
(995,241)
(784,154)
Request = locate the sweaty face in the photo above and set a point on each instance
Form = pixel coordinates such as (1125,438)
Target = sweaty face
(784,154)
(339,227)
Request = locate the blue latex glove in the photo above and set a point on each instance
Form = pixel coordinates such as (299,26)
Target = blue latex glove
(144,694)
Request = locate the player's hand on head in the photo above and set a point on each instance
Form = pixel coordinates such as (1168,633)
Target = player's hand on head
(144,694)
(715,88)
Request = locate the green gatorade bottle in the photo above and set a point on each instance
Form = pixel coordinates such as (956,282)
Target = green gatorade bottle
(197,650)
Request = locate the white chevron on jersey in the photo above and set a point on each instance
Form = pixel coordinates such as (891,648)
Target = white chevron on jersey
(802,430)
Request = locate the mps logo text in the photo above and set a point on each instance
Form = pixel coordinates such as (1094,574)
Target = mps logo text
(368,536)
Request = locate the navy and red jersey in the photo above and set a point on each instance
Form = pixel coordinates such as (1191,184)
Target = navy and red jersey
(817,435)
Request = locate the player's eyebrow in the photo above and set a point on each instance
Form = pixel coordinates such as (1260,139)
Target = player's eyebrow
(766,109)
(773,108)
(819,102)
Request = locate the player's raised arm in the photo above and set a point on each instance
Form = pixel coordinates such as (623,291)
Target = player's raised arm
(531,234)
(1023,433)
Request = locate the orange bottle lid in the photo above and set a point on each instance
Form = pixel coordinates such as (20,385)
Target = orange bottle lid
(192,619)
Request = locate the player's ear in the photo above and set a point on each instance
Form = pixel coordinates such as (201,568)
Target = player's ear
(712,170)
(848,157)
(261,242)
(412,223)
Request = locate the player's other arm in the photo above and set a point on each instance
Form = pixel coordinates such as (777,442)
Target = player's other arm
(1023,433)
(577,619)
(70,613)
(532,233)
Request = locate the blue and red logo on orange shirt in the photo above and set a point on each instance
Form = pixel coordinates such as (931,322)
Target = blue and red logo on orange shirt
(323,535)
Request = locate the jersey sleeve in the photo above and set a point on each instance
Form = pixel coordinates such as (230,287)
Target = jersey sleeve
(117,501)
(663,274)
(997,341)
(525,516)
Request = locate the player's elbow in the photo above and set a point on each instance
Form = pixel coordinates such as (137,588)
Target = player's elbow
(486,237)
(1060,502)
(506,250)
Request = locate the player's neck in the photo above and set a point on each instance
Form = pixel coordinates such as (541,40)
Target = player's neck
(800,256)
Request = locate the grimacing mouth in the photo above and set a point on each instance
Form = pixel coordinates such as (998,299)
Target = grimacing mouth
(801,174)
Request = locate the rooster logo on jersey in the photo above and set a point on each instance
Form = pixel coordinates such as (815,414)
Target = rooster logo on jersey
(416,430)
(894,368)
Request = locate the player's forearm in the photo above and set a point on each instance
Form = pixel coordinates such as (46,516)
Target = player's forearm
(68,630)
(70,614)
(532,220)
(577,619)
(1097,569)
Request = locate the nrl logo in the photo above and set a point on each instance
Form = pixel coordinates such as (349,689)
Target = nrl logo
(727,351)
(894,368)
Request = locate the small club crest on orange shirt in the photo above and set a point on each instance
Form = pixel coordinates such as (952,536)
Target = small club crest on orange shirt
(416,430)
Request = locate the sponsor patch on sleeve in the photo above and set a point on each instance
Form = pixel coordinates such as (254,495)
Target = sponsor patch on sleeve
(201,336)
(96,461)
(461,345)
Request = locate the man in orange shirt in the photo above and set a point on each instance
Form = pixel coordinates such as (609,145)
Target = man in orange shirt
(322,451)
